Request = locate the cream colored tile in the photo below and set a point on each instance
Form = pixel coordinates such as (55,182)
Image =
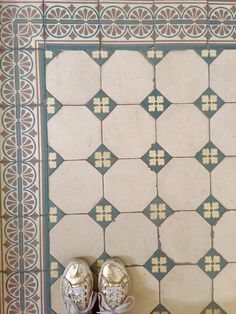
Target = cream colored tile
(223,129)
(185,237)
(225,236)
(74,236)
(224,182)
(129,131)
(223,75)
(132,237)
(127,77)
(73,77)
(186,289)
(56,300)
(145,289)
(183,184)
(74,132)
(130,185)
(182,130)
(182,76)
(75,187)
(225,289)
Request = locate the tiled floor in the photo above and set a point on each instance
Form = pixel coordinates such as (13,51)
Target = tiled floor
(118,137)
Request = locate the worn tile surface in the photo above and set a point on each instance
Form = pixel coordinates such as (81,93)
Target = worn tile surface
(118,133)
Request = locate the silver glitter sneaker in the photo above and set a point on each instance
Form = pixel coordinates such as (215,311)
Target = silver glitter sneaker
(77,287)
(114,287)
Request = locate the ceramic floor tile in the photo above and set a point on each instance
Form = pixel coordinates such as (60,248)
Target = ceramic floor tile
(117,138)
(176,294)
(223,182)
(70,131)
(185,237)
(129,131)
(127,77)
(222,77)
(130,185)
(182,130)
(182,76)
(80,182)
(183,184)
(132,237)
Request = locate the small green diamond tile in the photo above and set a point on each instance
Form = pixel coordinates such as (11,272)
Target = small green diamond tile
(211,210)
(96,266)
(54,160)
(155,104)
(102,159)
(159,264)
(56,270)
(210,156)
(154,55)
(103,213)
(213,308)
(212,263)
(160,309)
(55,214)
(210,54)
(101,105)
(52,105)
(157,211)
(156,157)
(209,103)
(100,55)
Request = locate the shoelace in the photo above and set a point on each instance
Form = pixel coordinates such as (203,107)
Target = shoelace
(72,308)
(122,308)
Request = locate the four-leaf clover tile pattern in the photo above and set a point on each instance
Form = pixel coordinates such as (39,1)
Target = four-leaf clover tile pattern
(212,263)
(159,264)
(101,105)
(104,213)
(210,156)
(156,157)
(157,211)
(102,159)
(155,104)
(209,103)
(211,210)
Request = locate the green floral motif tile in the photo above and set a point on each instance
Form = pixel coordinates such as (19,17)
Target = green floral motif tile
(211,210)
(54,160)
(100,55)
(101,105)
(210,156)
(154,54)
(156,157)
(210,54)
(212,263)
(102,159)
(157,211)
(209,103)
(155,104)
(56,269)
(159,264)
(160,309)
(104,213)
(98,263)
(52,105)
(55,214)
(213,308)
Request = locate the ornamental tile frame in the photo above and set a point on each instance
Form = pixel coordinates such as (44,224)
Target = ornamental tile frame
(32,34)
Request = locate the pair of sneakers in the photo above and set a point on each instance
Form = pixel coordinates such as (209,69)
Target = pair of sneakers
(78,293)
